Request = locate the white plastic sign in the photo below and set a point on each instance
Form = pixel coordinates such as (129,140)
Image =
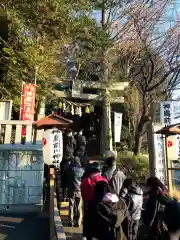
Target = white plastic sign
(117,126)
(53,147)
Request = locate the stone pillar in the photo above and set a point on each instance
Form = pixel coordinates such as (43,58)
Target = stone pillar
(41,108)
(38,134)
(107,125)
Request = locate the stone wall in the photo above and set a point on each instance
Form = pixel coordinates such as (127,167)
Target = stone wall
(21,177)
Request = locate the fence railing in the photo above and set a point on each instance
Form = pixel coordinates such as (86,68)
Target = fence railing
(11,132)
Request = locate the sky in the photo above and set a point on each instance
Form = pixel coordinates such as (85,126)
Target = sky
(97,15)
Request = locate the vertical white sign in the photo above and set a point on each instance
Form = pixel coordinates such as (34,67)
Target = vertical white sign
(117,126)
(160,165)
(169,114)
(5,109)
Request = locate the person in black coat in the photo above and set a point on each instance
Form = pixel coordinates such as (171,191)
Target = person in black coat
(69,145)
(158,198)
(81,150)
(171,218)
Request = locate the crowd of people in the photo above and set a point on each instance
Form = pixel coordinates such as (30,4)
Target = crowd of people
(111,206)
(74,149)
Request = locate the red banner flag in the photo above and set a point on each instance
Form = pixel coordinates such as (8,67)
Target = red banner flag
(28,103)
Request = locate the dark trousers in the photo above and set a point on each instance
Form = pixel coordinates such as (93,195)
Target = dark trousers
(125,227)
(86,222)
(64,177)
(133,229)
(75,210)
(64,193)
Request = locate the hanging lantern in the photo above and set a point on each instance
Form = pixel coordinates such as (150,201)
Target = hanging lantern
(64,107)
(72,110)
(68,109)
(76,112)
(91,109)
(87,109)
(60,105)
(80,111)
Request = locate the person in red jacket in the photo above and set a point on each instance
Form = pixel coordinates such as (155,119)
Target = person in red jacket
(87,191)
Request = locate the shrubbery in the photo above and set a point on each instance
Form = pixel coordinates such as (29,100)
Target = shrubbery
(135,167)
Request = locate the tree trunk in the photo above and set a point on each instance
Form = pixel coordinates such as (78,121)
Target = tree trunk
(131,134)
(138,137)
(110,140)
(102,142)
(137,144)
(40,109)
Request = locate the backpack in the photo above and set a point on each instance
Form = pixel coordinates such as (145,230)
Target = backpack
(88,184)
(161,202)
(108,220)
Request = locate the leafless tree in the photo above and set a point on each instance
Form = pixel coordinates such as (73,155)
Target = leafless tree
(155,70)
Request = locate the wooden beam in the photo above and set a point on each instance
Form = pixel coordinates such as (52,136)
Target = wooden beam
(16,122)
(61,94)
(21,147)
(118,100)
(99,85)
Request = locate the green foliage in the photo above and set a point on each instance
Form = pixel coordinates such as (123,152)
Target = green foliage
(124,133)
(135,167)
(38,32)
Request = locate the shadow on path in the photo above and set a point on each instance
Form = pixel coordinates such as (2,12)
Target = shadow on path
(72,233)
(31,226)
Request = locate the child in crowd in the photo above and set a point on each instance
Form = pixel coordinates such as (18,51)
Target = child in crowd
(135,207)
(133,196)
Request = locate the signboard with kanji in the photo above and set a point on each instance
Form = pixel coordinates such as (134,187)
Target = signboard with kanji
(159,152)
(168,113)
(28,101)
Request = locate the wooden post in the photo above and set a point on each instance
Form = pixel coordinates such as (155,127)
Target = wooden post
(51,201)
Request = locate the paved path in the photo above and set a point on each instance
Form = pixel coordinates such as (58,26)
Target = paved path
(31,226)
(72,233)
